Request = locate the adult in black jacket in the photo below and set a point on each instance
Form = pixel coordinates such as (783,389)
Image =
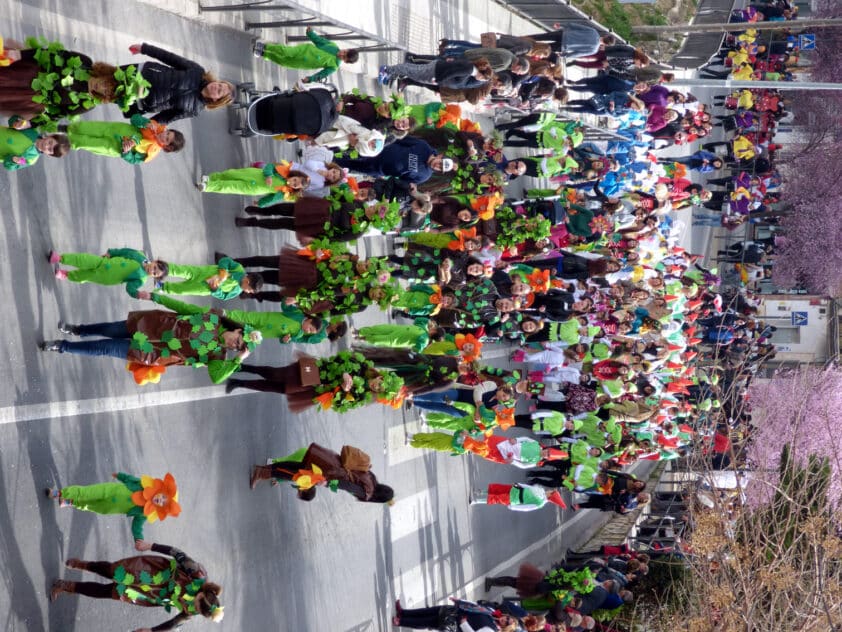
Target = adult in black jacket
(179,89)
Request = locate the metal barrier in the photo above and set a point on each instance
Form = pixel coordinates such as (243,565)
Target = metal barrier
(313,18)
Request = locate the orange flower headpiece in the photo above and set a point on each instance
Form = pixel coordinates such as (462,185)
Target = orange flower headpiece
(305,479)
(486,205)
(144,374)
(159,497)
(505,417)
(539,280)
(316,255)
(473,344)
(461,236)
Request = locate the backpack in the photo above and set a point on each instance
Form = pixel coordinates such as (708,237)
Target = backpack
(354,459)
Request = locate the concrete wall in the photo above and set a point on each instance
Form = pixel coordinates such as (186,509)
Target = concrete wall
(803,326)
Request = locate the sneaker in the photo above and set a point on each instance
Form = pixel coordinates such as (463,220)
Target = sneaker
(74,563)
(51,345)
(383,77)
(66,328)
(257,48)
(241,221)
(61,275)
(63,502)
(53,257)
(52,492)
(488,584)
(202,183)
(401,85)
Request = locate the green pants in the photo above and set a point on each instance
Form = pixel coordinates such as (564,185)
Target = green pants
(246,181)
(440,441)
(101,498)
(96,269)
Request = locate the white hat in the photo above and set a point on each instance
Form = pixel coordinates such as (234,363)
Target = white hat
(447,164)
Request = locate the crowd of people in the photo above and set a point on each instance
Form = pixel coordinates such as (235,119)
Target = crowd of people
(584,278)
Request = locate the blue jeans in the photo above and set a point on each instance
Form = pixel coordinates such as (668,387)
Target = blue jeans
(435,402)
(115,343)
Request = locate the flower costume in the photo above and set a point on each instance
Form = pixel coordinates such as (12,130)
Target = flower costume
(135,497)
(251,181)
(105,138)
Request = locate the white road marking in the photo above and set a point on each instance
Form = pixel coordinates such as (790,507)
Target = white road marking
(117,403)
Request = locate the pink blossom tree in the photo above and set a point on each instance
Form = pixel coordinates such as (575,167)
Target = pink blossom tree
(812,169)
(802,408)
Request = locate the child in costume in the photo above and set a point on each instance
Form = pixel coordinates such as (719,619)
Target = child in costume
(289,324)
(316,466)
(136,142)
(119,266)
(322,55)
(518,497)
(178,584)
(337,217)
(20,148)
(275,182)
(225,280)
(159,338)
(346,381)
(143,499)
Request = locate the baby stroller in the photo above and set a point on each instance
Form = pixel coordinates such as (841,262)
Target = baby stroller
(305,113)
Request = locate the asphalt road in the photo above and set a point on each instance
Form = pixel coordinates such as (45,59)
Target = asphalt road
(332,564)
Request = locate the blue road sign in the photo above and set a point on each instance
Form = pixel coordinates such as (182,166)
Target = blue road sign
(807,41)
(799,319)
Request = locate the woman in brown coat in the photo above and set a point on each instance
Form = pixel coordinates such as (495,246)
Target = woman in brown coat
(150,581)
(349,471)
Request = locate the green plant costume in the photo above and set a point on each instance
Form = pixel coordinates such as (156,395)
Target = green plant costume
(105,138)
(196,280)
(17,147)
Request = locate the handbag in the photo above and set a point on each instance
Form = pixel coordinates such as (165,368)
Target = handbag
(309,372)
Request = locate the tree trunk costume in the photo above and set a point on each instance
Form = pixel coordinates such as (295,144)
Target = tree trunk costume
(329,394)
(127,495)
(149,581)
(338,217)
(105,138)
(157,338)
(558,584)
(121,266)
(316,465)
(323,278)
(251,181)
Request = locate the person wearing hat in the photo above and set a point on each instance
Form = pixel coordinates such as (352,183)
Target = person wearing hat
(517,497)
(409,159)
